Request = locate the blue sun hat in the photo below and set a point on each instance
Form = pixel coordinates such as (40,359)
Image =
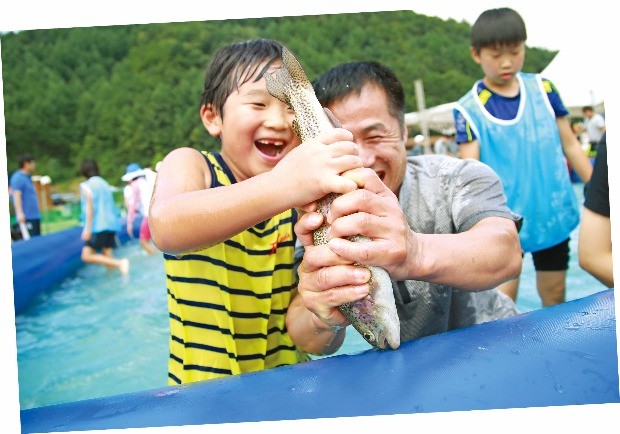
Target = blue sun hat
(132,172)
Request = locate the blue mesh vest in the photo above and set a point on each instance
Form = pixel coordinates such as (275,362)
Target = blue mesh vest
(526,153)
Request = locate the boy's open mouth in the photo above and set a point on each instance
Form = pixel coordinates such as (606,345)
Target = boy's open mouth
(271,148)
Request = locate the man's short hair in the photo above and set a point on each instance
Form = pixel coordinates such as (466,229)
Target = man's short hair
(25,158)
(350,77)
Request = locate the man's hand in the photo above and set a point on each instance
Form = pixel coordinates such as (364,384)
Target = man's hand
(326,280)
(373,211)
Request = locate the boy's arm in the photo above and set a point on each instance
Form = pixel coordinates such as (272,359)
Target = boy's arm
(88,220)
(469,150)
(573,151)
(595,246)
(309,333)
(186,214)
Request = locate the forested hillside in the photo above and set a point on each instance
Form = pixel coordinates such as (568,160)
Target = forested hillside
(131,93)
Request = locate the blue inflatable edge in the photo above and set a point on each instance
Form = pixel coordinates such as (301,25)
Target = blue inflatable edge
(44,261)
(560,355)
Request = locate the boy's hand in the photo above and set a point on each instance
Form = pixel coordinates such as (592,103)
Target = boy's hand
(314,168)
(86,234)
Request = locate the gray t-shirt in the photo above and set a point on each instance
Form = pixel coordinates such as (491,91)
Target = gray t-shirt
(446,195)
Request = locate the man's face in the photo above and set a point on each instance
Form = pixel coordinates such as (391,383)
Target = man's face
(29,166)
(376,132)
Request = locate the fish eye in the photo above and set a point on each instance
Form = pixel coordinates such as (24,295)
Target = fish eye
(369,336)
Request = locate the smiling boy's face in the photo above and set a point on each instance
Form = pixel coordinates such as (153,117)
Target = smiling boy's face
(255,128)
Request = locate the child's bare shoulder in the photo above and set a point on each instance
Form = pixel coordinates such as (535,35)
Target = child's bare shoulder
(185,166)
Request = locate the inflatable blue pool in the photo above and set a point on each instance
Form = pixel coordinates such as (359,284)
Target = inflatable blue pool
(41,262)
(561,355)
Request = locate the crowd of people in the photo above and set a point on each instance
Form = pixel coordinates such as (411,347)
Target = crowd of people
(248,289)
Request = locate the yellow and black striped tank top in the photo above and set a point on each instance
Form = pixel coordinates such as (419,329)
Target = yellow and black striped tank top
(228,302)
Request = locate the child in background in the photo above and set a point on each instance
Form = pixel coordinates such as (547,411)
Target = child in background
(137,194)
(101,220)
(517,124)
(224,220)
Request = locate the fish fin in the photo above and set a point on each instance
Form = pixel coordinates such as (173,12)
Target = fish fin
(333,119)
(277,86)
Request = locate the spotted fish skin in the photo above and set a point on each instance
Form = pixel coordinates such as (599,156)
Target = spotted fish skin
(375,316)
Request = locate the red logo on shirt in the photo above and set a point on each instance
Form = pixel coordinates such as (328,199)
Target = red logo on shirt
(274,245)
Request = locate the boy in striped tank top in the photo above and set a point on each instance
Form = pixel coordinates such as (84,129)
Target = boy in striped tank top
(224,220)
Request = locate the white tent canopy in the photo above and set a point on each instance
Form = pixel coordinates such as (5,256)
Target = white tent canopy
(438,118)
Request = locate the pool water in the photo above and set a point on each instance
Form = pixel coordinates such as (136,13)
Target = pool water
(98,333)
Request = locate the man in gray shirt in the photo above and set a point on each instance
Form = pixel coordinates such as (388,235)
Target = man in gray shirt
(439,226)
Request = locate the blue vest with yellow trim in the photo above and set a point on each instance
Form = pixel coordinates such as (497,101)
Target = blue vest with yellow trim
(228,302)
(526,153)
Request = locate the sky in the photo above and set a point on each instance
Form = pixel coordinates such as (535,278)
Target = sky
(584,29)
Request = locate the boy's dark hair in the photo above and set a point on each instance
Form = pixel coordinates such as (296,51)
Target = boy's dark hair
(496,28)
(89,168)
(25,158)
(587,108)
(345,78)
(234,65)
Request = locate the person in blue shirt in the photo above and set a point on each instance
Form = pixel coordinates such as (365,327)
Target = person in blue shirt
(101,219)
(516,123)
(25,199)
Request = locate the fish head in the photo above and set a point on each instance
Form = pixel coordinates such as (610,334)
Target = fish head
(290,85)
(373,323)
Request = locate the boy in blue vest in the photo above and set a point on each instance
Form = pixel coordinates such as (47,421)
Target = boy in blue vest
(224,220)
(518,125)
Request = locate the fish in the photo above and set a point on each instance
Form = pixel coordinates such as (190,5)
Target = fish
(375,316)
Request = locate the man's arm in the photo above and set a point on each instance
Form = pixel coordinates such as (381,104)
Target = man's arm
(18,205)
(595,246)
(482,257)
(487,254)
(573,151)
(469,150)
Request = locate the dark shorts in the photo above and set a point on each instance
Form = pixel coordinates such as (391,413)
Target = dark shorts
(552,259)
(34,229)
(102,240)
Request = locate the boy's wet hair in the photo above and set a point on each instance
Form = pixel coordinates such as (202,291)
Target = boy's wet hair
(89,168)
(497,28)
(234,65)
(349,77)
